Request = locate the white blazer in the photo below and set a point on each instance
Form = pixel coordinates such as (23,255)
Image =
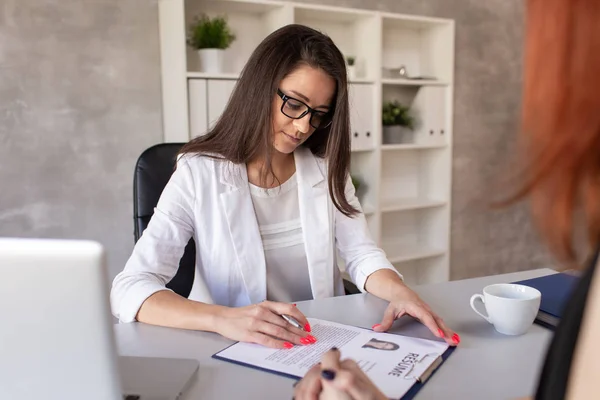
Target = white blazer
(210,200)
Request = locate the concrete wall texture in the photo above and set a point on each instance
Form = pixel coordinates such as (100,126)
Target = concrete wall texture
(80,99)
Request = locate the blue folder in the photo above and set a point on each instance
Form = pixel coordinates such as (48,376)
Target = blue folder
(556,290)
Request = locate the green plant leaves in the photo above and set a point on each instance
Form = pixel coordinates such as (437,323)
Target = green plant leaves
(355,181)
(394,113)
(210,33)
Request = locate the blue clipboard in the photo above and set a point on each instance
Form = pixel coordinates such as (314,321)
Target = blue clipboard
(412,392)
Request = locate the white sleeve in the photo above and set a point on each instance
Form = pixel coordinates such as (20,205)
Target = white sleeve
(356,247)
(156,255)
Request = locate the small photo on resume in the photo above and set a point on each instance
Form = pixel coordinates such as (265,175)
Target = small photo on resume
(380,345)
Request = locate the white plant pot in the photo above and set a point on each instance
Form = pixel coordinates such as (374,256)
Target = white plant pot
(351,72)
(211,60)
(396,134)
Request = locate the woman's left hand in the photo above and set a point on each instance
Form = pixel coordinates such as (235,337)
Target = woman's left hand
(334,379)
(409,303)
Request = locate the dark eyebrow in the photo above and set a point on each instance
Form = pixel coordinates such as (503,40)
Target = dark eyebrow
(306,99)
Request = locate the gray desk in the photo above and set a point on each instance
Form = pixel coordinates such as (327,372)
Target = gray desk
(487,365)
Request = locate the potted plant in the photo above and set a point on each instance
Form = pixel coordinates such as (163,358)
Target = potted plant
(350,61)
(398,123)
(210,36)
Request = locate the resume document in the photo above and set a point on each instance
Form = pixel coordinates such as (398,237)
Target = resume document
(393,362)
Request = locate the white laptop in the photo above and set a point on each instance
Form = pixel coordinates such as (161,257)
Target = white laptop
(56,333)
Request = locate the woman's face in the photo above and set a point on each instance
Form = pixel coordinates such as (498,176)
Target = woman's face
(383,345)
(308,85)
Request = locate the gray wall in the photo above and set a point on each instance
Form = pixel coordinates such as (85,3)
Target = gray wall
(80,99)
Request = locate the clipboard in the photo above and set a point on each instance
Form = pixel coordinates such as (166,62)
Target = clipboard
(428,373)
(420,381)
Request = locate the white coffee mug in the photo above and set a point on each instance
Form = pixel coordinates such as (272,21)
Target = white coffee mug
(511,308)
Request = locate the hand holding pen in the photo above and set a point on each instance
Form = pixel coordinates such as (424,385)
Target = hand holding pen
(271,324)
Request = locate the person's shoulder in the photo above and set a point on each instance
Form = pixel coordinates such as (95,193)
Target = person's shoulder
(200,159)
(201,165)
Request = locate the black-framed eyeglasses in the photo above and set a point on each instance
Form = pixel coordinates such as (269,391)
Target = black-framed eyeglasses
(296,109)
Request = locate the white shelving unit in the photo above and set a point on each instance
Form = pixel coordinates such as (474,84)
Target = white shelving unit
(405,187)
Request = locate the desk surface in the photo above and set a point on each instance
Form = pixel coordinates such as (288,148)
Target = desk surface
(486,365)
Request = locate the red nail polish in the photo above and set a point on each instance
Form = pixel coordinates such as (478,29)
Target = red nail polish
(288,345)
(307,327)
(306,340)
(441,332)
(456,338)
(375,326)
(294,304)
(312,338)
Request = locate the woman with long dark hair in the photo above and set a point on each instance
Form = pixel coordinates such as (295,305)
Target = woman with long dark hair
(268,199)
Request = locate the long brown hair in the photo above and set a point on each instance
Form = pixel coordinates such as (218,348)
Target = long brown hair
(243,132)
(561,120)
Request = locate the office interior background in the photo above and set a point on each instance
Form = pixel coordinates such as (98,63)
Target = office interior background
(80,99)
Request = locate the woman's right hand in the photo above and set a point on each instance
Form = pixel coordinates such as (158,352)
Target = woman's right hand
(262,324)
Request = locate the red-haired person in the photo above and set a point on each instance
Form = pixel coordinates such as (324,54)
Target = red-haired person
(561,144)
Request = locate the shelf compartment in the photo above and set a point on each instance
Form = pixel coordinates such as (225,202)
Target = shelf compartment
(423,46)
(429,107)
(424,270)
(402,258)
(402,253)
(415,234)
(251,22)
(407,204)
(352,31)
(420,175)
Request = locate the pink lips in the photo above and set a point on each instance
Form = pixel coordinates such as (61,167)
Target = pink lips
(293,138)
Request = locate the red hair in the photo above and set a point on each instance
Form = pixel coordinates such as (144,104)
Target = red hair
(561,119)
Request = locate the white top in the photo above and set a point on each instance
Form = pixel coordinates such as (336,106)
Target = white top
(278,216)
(209,200)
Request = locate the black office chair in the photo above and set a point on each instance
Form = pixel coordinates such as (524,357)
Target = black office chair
(152,172)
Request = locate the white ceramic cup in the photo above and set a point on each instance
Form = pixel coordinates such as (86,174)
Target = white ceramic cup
(511,308)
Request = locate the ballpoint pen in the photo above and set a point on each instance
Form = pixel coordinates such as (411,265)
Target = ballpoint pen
(292,321)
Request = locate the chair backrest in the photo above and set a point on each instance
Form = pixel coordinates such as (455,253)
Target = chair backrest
(153,170)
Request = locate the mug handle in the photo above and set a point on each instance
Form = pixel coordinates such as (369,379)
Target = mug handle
(480,297)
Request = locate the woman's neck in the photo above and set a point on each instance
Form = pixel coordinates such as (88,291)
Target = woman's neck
(282,166)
